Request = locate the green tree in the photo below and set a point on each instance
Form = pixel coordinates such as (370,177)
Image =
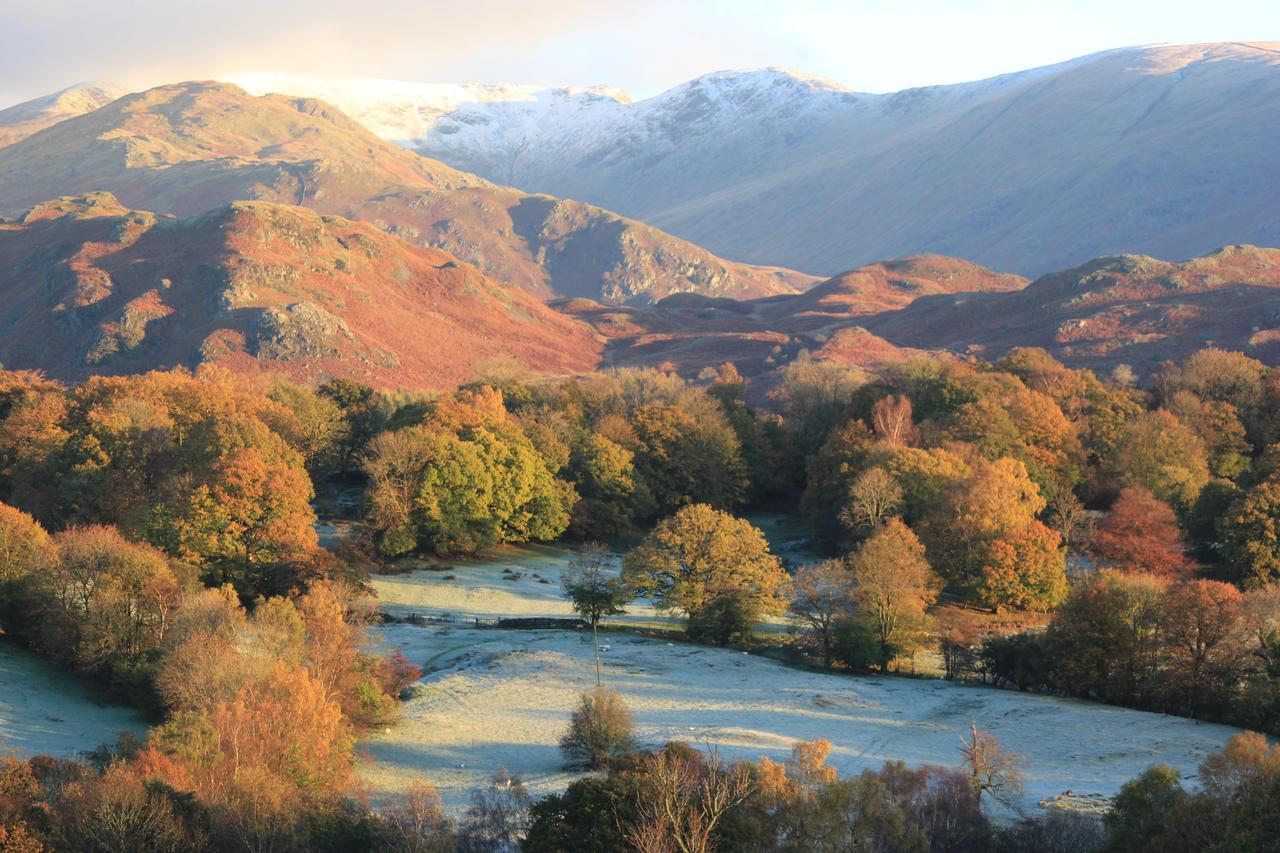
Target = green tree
(594,589)
(1250,534)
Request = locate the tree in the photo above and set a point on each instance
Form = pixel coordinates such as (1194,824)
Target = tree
(1199,620)
(823,594)
(593,589)
(993,770)
(1250,534)
(891,419)
(1140,534)
(498,816)
(997,501)
(700,554)
(415,822)
(874,496)
(106,598)
(1024,569)
(684,800)
(600,730)
(1159,453)
(1068,516)
(25,555)
(893,585)
(249,520)
(1140,817)
(24,545)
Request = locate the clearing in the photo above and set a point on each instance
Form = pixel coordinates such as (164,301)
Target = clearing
(45,710)
(495,696)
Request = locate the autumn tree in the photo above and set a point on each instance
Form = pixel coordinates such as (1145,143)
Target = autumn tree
(276,753)
(684,801)
(823,594)
(106,599)
(993,770)
(1250,534)
(700,554)
(1140,534)
(1199,620)
(600,730)
(832,471)
(893,585)
(465,479)
(246,523)
(997,501)
(25,555)
(1159,453)
(1024,569)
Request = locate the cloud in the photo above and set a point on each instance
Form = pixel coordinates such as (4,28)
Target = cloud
(640,45)
(48,44)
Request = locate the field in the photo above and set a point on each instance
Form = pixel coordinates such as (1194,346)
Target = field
(495,697)
(44,710)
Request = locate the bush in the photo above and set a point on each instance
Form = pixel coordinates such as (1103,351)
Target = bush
(727,621)
(600,730)
(856,644)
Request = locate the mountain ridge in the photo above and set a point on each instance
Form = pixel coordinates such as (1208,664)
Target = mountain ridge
(1162,149)
(185,148)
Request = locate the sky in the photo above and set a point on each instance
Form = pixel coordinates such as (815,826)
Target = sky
(643,47)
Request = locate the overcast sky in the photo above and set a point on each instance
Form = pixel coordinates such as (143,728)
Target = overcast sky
(644,47)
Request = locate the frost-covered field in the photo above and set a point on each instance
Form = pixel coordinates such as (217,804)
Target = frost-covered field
(503,697)
(43,710)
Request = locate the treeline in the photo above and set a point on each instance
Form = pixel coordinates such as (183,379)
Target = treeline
(156,535)
(675,798)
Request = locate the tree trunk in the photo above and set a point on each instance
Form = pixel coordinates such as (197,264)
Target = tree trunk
(595,638)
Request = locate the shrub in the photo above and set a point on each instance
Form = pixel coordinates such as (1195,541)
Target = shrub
(600,730)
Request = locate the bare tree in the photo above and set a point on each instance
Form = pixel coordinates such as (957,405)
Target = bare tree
(415,822)
(874,496)
(823,594)
(684,801)
(1069,517)
(498,816)
(891,419)
(993,770)
(594,590)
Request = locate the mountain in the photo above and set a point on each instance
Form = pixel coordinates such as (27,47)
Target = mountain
(22,120)
(92,286)
(1167,150)
(187,148)
(1129,309)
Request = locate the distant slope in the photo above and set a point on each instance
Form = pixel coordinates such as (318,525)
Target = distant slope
(691,332)
(92,287)
(1127,309)
(1169,151)
(186,148)
(20,121)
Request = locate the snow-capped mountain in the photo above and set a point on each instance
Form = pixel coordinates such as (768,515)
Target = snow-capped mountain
(1164,150)
(22,120)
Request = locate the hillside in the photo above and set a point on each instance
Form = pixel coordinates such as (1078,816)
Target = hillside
(1128,309)
(188,148)
(1125,309)
(691,332)
(21,120)
(1168,151)
(94,287)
